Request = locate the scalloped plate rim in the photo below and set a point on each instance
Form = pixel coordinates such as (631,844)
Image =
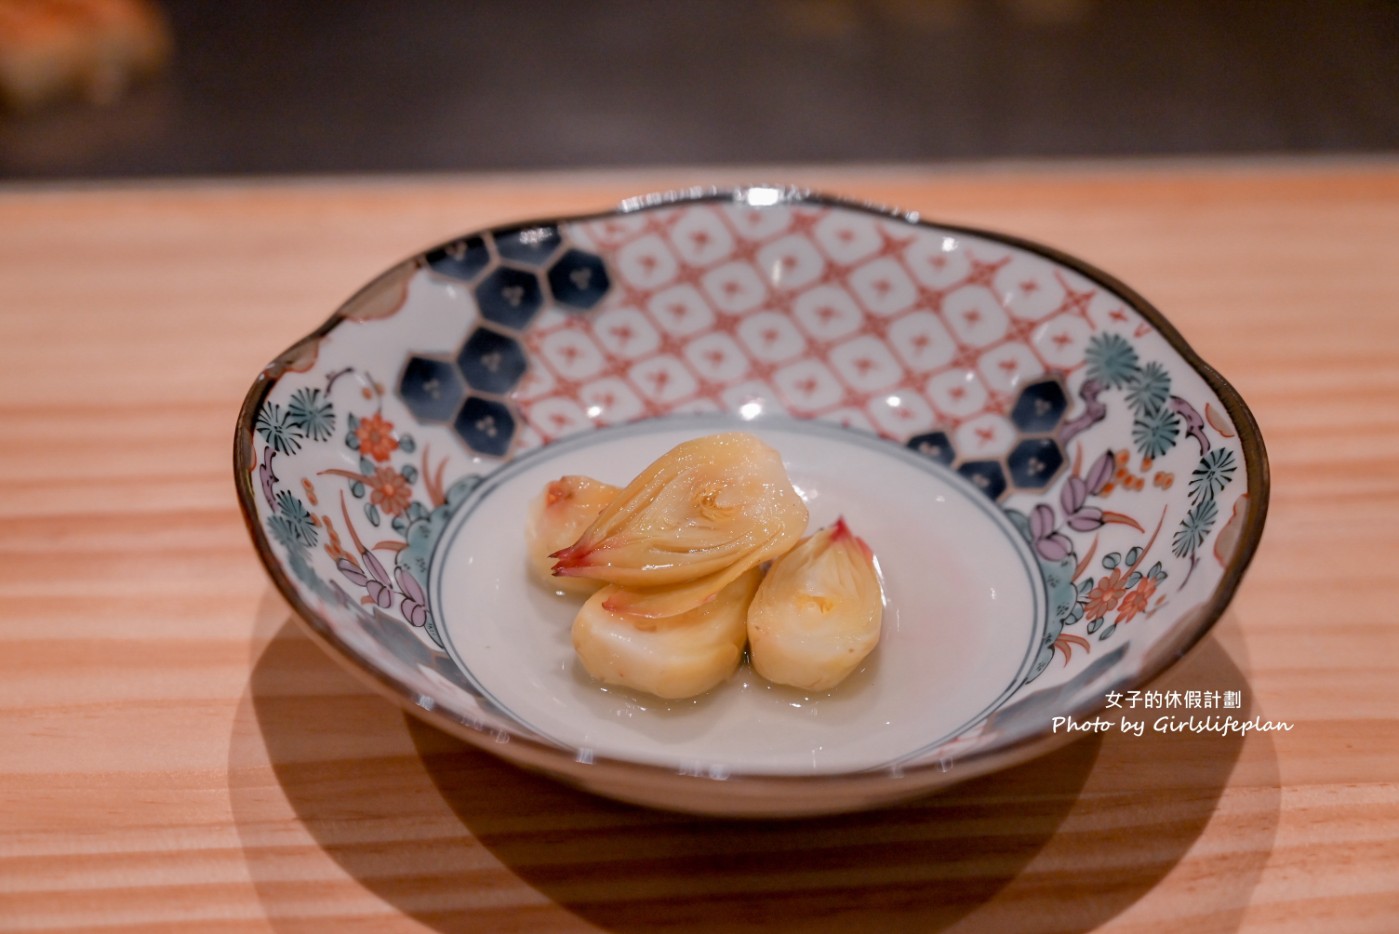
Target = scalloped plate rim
(994,756)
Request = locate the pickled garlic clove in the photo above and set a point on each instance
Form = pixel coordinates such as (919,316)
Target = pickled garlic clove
(678,657)
(710,508)
(557,516)
(818,612)
(660,602)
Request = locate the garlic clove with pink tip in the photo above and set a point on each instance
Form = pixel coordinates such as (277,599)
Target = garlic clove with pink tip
(691,523)
(818,613)
(557,516)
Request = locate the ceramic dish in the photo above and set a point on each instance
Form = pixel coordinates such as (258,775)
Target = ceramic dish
(1062,495)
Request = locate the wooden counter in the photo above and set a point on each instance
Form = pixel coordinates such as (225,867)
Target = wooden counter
(176,755)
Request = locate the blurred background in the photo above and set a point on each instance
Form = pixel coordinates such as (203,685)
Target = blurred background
(340,86)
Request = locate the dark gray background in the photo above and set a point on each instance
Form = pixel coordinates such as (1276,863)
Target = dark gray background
(358,86)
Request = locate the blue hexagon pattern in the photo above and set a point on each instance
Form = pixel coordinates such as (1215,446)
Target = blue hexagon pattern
(986,476)
(509,297)
(432,389)
(935,445)
(460,259)
(486,425)
(578,279)
(527,245)
(1039,407)
(1034,462)
(491,361)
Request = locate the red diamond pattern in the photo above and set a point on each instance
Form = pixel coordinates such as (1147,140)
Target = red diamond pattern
(819,311)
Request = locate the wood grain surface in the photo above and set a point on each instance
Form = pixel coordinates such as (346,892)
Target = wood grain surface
(176,755)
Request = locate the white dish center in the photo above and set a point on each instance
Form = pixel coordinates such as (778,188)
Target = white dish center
(963,616)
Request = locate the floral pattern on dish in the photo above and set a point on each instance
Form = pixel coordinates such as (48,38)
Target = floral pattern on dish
(1043,384)
(400,502)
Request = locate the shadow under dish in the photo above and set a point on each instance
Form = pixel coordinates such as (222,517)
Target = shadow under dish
(1063,843)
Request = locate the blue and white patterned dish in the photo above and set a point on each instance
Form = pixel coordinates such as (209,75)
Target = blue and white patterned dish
(1063,497)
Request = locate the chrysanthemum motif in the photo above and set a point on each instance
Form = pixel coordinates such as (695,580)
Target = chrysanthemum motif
(297,519)
(293,526)
(375,438)
(1155,434)
(1136,601)
(1111,360)
(1212,475)
(277,429)
(389,490)
(1149,389)
(1105,596)
(1194,529)
(312,413)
